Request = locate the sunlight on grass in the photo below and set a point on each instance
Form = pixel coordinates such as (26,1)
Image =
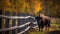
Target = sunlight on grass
(37,32)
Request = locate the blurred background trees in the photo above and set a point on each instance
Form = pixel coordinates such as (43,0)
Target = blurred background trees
(51,8)
(48,7)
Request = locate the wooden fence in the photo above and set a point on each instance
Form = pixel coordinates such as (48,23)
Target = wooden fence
(12,23)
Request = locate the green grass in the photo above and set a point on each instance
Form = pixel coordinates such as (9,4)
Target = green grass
(37,32)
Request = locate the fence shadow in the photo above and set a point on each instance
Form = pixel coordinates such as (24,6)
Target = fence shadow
(54,32)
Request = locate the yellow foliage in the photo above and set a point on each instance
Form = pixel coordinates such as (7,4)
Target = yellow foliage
(38,6)
(20,6)
(26,4)
(6,3)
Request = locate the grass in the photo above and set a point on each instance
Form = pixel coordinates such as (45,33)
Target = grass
(37,32)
